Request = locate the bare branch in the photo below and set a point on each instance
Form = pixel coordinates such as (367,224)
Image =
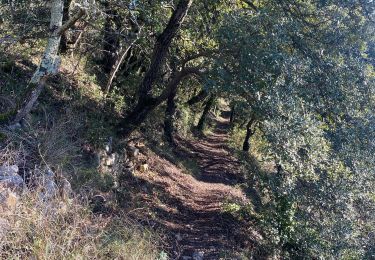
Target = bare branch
(251,5)
(71,21)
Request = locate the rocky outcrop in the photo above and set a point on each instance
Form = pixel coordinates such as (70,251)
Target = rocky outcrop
(49,186)
(9,178)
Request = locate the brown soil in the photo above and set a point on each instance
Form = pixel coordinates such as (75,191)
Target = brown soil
(189,207)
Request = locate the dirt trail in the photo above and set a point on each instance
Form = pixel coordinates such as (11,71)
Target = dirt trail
(190,207)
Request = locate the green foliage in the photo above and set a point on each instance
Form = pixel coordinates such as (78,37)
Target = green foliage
(303,69)
(91,177)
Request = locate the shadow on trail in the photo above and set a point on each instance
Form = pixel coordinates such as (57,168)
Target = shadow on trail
(213,156)
(189,208)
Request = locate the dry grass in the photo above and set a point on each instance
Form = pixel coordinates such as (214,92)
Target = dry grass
(63,228)
(66,229)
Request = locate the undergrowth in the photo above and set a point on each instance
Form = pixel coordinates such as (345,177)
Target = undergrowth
(67,229)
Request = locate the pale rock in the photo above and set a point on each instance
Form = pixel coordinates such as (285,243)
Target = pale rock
(12,182)
(9,177)
(178,237)
(108,147)
(9,170)
(133,152)
(49,186)
(144,167)
(14,127)
(111,160)
(198,255)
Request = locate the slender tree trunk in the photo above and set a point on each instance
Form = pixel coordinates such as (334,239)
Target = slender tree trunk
(50,62)
(198,98)
(232,113)
(249,133)
(146,103)
(162,46)
(78,39)
(134,119)
(124,53)
(206,110)
(246,143)
(64,40)
(169,115)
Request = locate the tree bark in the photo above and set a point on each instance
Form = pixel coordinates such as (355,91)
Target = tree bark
(162,45)
(146,103)
(64,40)
(124,53)
(50,62)
(169,115)
(144,106)
(198,98)
(206,110)
(134,119)
(250,131)
(232,113)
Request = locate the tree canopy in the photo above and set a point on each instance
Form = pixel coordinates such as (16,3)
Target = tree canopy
(298,75)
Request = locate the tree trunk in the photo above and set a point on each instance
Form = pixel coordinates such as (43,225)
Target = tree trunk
(123,54)
(162,46)
(144,106)
(64,40)
(206,110)
(146,103)
(168,120)
(50,62)
(134,119)
(249,133)
(232,113)
(198,98)
(246,143)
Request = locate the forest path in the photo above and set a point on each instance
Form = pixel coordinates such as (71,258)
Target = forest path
(190,207)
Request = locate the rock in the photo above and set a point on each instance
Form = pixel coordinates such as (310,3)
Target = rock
(14,127)
(198,255)
(108,146)
(9,177)
(133,152)
(9,170)
(12,182)
(50,188)
(144,189)
(178,237)
(111,160)
(143,167)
